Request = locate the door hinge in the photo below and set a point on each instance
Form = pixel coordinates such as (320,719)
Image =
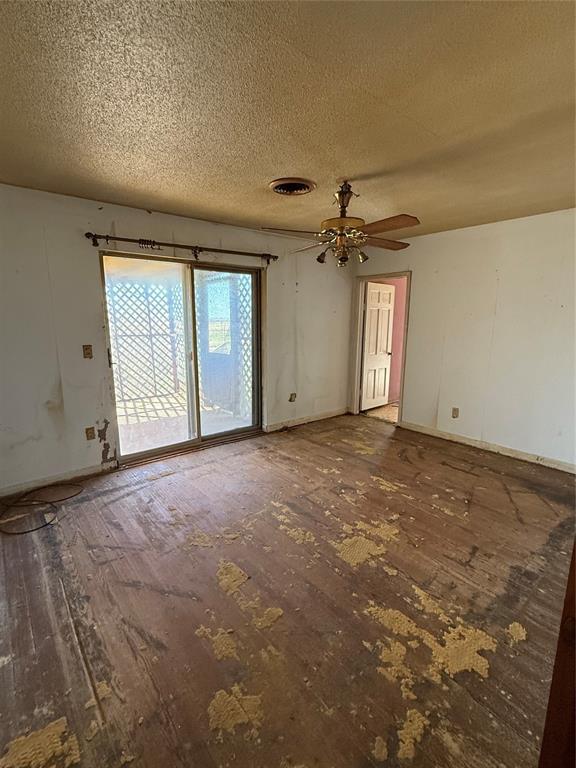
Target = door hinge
(110,363)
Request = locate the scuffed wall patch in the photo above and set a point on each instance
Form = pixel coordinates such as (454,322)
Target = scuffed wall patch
(107,457)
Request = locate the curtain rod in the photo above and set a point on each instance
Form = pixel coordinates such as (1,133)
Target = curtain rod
(157,245)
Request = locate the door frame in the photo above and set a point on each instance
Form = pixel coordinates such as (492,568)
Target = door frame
(358,321)
(257,339)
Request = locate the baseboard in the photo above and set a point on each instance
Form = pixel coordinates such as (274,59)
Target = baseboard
(72,476)
(512,452)
(305,420)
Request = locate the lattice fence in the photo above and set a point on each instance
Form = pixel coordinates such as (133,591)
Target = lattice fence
(147,337)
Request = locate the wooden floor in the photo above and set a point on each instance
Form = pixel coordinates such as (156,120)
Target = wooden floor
(343,594)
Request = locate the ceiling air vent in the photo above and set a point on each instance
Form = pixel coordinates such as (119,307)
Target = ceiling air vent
(292,186)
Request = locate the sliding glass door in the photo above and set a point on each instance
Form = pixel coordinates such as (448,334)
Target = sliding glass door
(225,349)
(184,351)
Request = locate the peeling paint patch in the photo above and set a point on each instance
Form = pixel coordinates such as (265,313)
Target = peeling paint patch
(40,748)
(299,535)
(230,577)
(101,433)
(226,711)
(380,750)
(516,633)
(387,485)
(223,642)
(411,734)
(103,691)
(429,605)
(270,654)
(458,650)
(357,548)
(198,539)
(360,447)
(268,618)
(394,658)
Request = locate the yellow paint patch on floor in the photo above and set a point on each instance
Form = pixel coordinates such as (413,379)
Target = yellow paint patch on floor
(380,750)
(92,730)
(226,711)
(379,529)
(198,539)
(299,535)
(230,577)
(247,603)
(429,605)
(411,734)
(270,654)
(284,508)
(268,618)
(457,650)
(223,642)
(232,536)
(43,747)
(393,657)
(387,485)
(103,691)
(516,633)
(360,447)
(461,651)
(356,550)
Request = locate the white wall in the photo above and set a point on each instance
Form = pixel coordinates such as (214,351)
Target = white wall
(491,331)
(52,303)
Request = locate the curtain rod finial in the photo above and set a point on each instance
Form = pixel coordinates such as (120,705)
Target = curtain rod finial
(92,236)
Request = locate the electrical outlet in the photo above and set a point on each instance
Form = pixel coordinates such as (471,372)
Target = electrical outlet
(455,413)
(292,397)
(90,433)
(87,351)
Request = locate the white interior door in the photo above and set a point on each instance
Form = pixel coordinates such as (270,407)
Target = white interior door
(377,345)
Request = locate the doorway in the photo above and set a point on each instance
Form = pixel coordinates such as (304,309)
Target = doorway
(184,351)
(382,331)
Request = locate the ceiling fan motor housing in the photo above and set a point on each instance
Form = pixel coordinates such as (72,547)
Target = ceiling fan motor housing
(343,222)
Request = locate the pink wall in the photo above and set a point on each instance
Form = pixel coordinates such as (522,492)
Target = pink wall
(401,284)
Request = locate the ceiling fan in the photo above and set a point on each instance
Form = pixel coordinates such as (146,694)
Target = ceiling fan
(345,235)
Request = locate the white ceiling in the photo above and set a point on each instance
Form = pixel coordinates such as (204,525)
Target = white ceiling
(457,112)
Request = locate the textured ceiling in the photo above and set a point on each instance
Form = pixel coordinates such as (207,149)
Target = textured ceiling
(458,112)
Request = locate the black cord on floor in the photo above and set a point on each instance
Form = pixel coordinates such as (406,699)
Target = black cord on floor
(32,499)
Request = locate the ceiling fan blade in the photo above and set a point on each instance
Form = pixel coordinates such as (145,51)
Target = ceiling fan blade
(389,245)
(392,222)
(299,231)
(307,248)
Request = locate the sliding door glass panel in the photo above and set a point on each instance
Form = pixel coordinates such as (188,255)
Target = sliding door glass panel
(149,324)
(225,349)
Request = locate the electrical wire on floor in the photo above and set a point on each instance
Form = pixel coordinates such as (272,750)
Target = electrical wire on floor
(32,500)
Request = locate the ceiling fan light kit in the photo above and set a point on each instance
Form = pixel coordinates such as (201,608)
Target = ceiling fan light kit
(345,236)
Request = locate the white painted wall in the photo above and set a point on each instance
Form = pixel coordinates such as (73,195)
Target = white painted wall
(491,331)
(52,303)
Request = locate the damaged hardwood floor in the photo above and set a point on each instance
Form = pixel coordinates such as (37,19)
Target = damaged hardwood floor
(342,595)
